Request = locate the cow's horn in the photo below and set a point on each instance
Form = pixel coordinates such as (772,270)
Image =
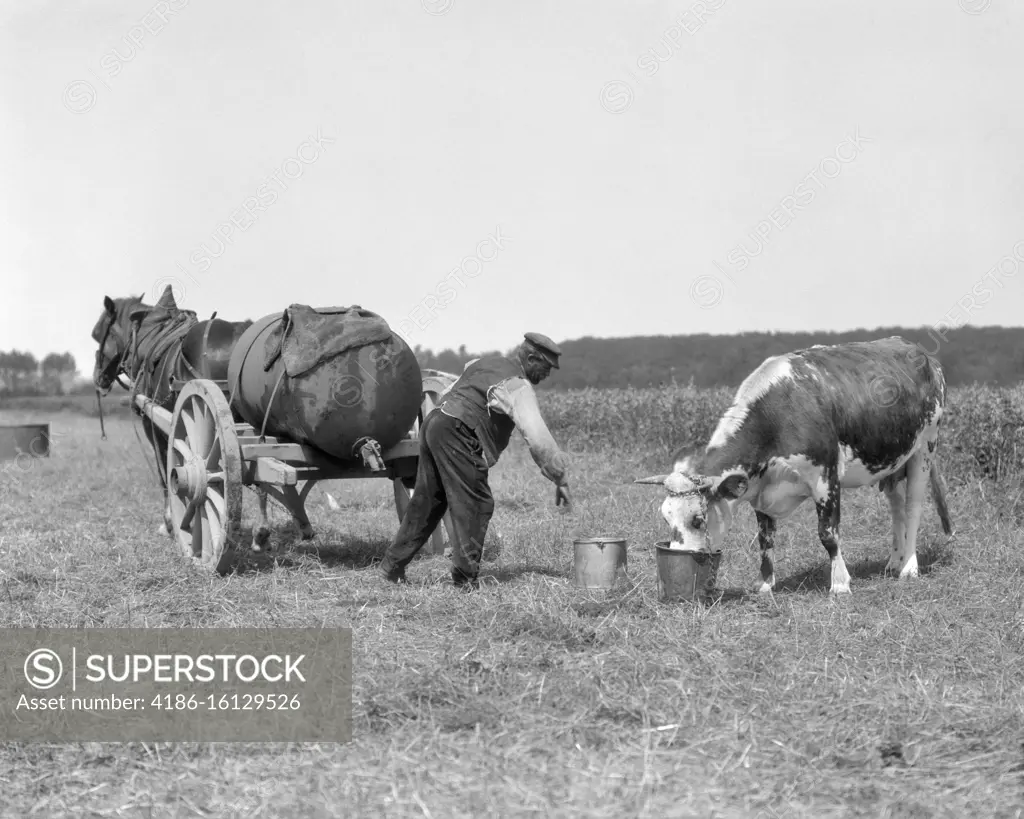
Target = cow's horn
(652,479)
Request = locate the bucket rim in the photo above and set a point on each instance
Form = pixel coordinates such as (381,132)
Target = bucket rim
(665,548)
(603,539)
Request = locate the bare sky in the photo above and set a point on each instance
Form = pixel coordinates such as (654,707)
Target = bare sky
(584,168)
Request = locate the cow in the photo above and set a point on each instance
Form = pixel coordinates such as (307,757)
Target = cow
(808,424)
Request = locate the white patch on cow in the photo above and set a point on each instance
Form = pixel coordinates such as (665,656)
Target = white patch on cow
(786,484)
(755,385)
(853,472)
(679,511)
(910,570)
(840,576)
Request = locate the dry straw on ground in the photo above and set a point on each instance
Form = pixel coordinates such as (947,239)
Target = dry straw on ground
(531,697)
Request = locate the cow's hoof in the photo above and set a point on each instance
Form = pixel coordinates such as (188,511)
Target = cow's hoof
(909,570)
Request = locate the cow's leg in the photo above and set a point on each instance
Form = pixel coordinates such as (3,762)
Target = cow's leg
(918,470)
(261,534)
(896,492)
(828,531)
(766,539)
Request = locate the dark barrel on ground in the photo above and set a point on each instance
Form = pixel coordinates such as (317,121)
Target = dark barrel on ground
(327,399)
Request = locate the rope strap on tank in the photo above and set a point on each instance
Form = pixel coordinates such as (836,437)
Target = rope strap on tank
(270,404)
(238,380)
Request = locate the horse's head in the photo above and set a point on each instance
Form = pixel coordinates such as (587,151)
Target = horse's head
(111,333)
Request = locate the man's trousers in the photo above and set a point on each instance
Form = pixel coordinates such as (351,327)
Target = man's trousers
(452,477)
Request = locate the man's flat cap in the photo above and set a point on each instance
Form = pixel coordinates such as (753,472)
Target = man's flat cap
(545,346)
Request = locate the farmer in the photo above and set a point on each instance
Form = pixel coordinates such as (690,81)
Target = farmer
(463,438)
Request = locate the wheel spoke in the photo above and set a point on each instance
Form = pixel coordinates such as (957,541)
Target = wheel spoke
(215,476)
(207,535)
(209,430)
(199,446)
(181,449)
(189,519)
(216,501)
(197,535)
(189,421)
(214,458)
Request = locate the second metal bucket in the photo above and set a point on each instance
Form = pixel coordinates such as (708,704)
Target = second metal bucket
(598,561)
(686,576)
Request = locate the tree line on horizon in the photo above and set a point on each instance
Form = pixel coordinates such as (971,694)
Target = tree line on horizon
(21,373)
(985,355)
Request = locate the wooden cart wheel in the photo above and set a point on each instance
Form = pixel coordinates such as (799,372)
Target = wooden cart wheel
(204,476)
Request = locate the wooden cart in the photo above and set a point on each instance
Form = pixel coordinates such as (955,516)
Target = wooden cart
(211,457)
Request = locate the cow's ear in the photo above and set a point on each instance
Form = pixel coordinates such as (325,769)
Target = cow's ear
(111,308)
(731,487)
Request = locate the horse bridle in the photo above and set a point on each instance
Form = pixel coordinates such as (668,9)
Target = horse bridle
(115,369)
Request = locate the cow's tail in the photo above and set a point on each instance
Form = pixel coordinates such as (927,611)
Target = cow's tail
(939,496)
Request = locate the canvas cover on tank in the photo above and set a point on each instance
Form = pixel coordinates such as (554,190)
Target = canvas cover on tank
(307,336)
(341,387)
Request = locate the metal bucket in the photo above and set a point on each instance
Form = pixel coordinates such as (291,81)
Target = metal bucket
(28,439)
(686,576)
(598,561)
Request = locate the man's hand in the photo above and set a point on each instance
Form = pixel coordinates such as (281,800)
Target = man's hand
(562,496)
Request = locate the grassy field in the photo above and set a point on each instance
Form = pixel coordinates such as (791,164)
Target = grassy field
(532,697)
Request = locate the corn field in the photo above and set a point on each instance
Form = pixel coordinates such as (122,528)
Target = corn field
(983,429)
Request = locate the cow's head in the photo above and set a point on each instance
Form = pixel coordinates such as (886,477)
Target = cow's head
(698,509)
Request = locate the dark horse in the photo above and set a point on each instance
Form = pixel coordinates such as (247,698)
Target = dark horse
(153,345)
